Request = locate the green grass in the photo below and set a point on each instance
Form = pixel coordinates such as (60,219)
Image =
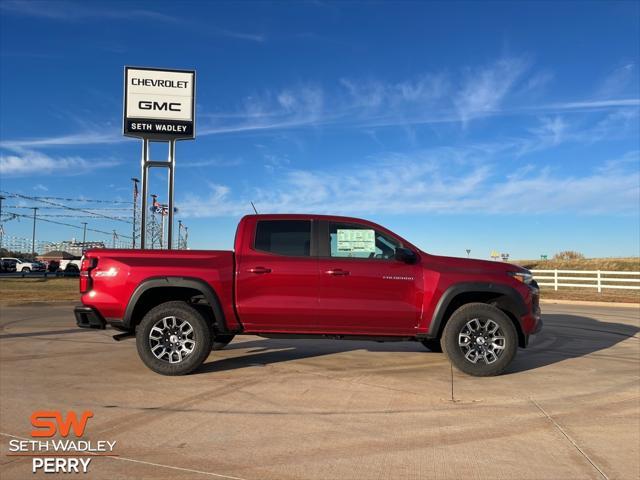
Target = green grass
(14,291)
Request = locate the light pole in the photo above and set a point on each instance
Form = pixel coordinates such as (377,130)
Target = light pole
(84,235)
(1,229)
(135,203)
(33,235)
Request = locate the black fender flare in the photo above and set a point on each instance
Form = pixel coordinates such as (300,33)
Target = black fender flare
(178,282)
(513,302)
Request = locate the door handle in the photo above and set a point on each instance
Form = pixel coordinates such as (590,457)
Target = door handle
(337,272)
(260,270)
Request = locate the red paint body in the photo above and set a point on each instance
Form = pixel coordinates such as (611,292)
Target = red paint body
(261,292)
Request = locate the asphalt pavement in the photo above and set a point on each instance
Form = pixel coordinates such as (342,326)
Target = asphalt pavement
(569,406)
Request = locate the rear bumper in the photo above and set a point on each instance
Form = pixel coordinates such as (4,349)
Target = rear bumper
(87,317)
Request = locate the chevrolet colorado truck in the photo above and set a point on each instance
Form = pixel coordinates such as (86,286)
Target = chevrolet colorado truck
(309,276)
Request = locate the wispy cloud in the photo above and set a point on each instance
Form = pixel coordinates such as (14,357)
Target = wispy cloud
(485,88)
(253,37)
(24,162)
(591,104)
(505,87)
(213,162)
(451,181)
(74,11)
(83,138)
(622,79)
(64,11)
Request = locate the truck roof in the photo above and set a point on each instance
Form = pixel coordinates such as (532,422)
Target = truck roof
(304,216)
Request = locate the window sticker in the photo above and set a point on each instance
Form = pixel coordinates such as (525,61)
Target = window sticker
(356,241)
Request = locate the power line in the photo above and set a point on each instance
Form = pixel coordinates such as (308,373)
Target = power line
(87,200)
(58,208)
(66,224)
(62,215)
(37,199)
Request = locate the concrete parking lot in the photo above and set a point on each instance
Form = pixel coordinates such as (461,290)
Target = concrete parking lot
(569,407)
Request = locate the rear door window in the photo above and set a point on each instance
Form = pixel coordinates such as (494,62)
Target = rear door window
(284,237)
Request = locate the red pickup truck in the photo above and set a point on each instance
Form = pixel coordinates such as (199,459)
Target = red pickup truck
(309,276)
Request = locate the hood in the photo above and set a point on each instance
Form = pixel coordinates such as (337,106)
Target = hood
(470,265)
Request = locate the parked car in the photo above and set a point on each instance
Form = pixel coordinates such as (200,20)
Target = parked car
(7,265)
(21,265)
(309,276)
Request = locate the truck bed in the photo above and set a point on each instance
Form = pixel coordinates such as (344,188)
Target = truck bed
(120,272)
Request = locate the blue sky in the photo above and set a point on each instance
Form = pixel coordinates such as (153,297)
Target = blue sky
(507,126)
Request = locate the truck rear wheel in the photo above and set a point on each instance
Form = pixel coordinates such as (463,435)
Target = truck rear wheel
(221,341)
(480,340)
(173,339)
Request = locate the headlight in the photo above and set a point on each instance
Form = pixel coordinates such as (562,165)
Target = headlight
(524,277)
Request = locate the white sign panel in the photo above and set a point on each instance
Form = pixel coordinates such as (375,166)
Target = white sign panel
(159,104)
(356,241)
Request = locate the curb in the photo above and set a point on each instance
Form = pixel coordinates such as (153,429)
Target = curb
(552,301)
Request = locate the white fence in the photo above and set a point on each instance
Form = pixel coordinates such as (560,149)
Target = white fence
(597,279)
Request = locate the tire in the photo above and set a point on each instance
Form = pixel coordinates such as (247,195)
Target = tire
(432,344)
(173,322)
(221,341)
(26,270)
(468,336)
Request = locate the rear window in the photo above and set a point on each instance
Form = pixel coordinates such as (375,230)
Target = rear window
(284,237)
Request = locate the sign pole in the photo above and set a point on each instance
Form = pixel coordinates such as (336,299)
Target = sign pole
(145,188)
(172,166)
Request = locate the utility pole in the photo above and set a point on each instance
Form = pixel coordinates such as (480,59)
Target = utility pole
(84,234)
(179,234)
(1,228)
(33,236)
(135,203)
(115,237)
(162,228)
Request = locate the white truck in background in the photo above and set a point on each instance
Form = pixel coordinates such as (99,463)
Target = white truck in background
(70,265)
(24,267)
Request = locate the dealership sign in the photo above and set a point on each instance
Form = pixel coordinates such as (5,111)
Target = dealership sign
(158,103)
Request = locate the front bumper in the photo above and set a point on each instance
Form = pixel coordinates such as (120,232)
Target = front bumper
(87,317)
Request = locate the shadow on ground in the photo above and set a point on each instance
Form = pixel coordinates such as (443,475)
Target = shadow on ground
(563,337)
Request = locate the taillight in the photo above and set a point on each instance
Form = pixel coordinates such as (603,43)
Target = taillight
(86,266)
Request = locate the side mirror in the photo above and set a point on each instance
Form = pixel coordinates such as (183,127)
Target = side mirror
(405,255)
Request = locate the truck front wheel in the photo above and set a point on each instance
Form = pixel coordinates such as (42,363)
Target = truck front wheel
(480,340)
(173,339)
